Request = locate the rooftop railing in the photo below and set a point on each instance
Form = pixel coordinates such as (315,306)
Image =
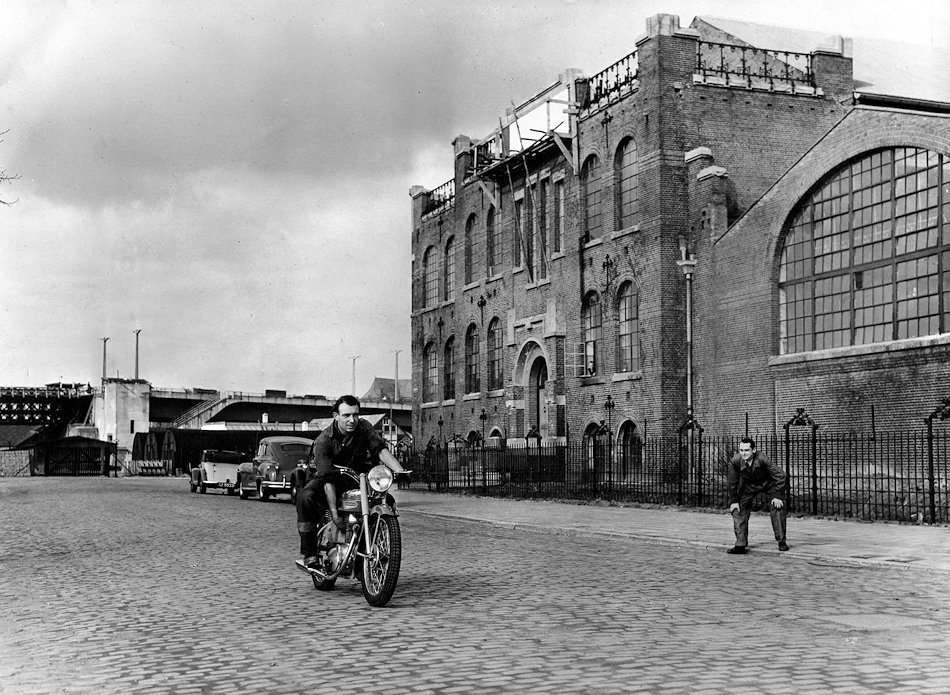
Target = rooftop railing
(746,66)
(610,83)
(440,198)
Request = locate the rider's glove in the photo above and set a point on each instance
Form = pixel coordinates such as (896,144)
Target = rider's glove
(734,507)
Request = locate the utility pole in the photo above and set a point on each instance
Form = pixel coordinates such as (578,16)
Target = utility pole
(354,358)
(137,331)
(104,341)
(396,382)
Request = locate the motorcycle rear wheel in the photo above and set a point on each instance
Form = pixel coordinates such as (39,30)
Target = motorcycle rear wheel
(381,566)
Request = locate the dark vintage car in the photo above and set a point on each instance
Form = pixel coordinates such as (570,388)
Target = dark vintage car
(278,468)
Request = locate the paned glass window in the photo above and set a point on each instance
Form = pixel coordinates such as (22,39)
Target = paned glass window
(591,197)
(541,271)
(593,332)
(493,244)
(448,280)
(628,329)
(430,278)
(628,191)
(557,242)
(448,370)
(471,359)
(469,249)
(495,355)
(430,373)
(865,255)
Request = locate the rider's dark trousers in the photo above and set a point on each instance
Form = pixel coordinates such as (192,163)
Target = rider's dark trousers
(311,503)
(740,517)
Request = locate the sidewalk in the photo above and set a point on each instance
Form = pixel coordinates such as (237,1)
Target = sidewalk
(828,540)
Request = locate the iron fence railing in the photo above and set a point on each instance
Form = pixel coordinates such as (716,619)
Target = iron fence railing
(747,66)
(898,476)
(439,198)
(609,83)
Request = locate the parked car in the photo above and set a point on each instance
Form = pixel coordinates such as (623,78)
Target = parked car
(217,468)
(279,468)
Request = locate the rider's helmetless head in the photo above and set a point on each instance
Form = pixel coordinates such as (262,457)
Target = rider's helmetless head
(746,448)
(346,413)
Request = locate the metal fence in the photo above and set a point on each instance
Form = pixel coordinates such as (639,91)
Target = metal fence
(900,476)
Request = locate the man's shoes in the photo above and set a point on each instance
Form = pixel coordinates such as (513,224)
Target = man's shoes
(738,550)
(782,545)
(309,563)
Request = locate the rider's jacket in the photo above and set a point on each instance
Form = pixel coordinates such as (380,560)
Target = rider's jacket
(760,474)
(332,447)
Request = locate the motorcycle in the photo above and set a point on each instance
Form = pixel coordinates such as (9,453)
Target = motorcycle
(369,547)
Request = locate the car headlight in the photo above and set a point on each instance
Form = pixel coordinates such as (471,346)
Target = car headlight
(380,478)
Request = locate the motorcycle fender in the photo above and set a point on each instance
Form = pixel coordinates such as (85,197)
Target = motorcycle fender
(383,510)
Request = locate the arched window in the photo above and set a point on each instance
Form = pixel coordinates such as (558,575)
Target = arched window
(591,197)
(430,278)
(471,359)
(495,356)
(593,331)
(628,328)
(448,278)
(469,249)
(448,370)
(493,244)
(862,254)
(430,373)
(626,169)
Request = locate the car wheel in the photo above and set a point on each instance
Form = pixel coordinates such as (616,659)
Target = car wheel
(241,491)
(202,488)
(293,493)
(263,494)
(193,486)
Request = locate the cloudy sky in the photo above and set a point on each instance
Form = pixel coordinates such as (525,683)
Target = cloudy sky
(232,177)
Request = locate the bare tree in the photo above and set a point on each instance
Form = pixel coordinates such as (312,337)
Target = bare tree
(7,178)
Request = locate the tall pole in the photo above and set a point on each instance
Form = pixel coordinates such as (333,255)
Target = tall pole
(137,331)
(354,358)
(104,341)
(687,264)
(396,382)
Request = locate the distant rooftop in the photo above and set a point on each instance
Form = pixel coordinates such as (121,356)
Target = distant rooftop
(887,68)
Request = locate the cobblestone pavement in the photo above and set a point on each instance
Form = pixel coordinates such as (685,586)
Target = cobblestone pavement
(138,586)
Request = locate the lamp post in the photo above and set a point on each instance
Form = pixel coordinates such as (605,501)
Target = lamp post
(396,380)
(137,331)
(440,423)
(104,341)
(483,417)
(609,407)
(354,358)
(687,264)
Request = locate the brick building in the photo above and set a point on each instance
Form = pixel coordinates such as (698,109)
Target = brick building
(732,222)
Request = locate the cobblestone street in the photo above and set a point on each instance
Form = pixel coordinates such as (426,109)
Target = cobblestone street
(137,585)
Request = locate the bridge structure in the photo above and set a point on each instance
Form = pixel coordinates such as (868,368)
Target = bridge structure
(43,405)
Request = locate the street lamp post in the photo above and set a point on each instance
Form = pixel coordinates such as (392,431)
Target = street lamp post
(396,380)
(354,358)
(483,417)
(104,341)
(137,331)
(440,423)
(687,264)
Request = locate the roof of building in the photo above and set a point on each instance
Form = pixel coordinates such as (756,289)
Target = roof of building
(384,388)
(889,68)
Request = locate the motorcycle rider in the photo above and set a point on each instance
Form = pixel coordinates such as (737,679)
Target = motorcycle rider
(350,442)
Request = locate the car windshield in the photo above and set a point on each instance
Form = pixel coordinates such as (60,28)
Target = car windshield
(223,456)
(291,452)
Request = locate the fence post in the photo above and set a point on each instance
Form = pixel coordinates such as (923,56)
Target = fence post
(942,412)
(800,419)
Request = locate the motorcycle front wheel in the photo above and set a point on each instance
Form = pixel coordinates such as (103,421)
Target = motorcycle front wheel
(383,557)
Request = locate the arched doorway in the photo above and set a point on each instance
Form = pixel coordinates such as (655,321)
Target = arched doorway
(630,449)
(538,416)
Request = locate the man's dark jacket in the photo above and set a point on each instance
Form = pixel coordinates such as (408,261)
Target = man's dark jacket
(332,447)
(759,475)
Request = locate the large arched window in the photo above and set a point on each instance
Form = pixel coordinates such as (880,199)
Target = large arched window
(631,449)
(593,331)
(448,273)
(448,370)
(626,169)
(430,278)
(471,359)
(469,249)
(430,373)
(495,355)
(591,197)
(493,244)
(628,328)
(866,256)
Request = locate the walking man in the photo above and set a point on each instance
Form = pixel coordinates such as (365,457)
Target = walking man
(750,473)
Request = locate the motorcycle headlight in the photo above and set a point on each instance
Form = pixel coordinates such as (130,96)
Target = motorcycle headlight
(380,478)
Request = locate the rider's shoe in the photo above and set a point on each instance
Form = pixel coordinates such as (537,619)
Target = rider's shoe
(309,563)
